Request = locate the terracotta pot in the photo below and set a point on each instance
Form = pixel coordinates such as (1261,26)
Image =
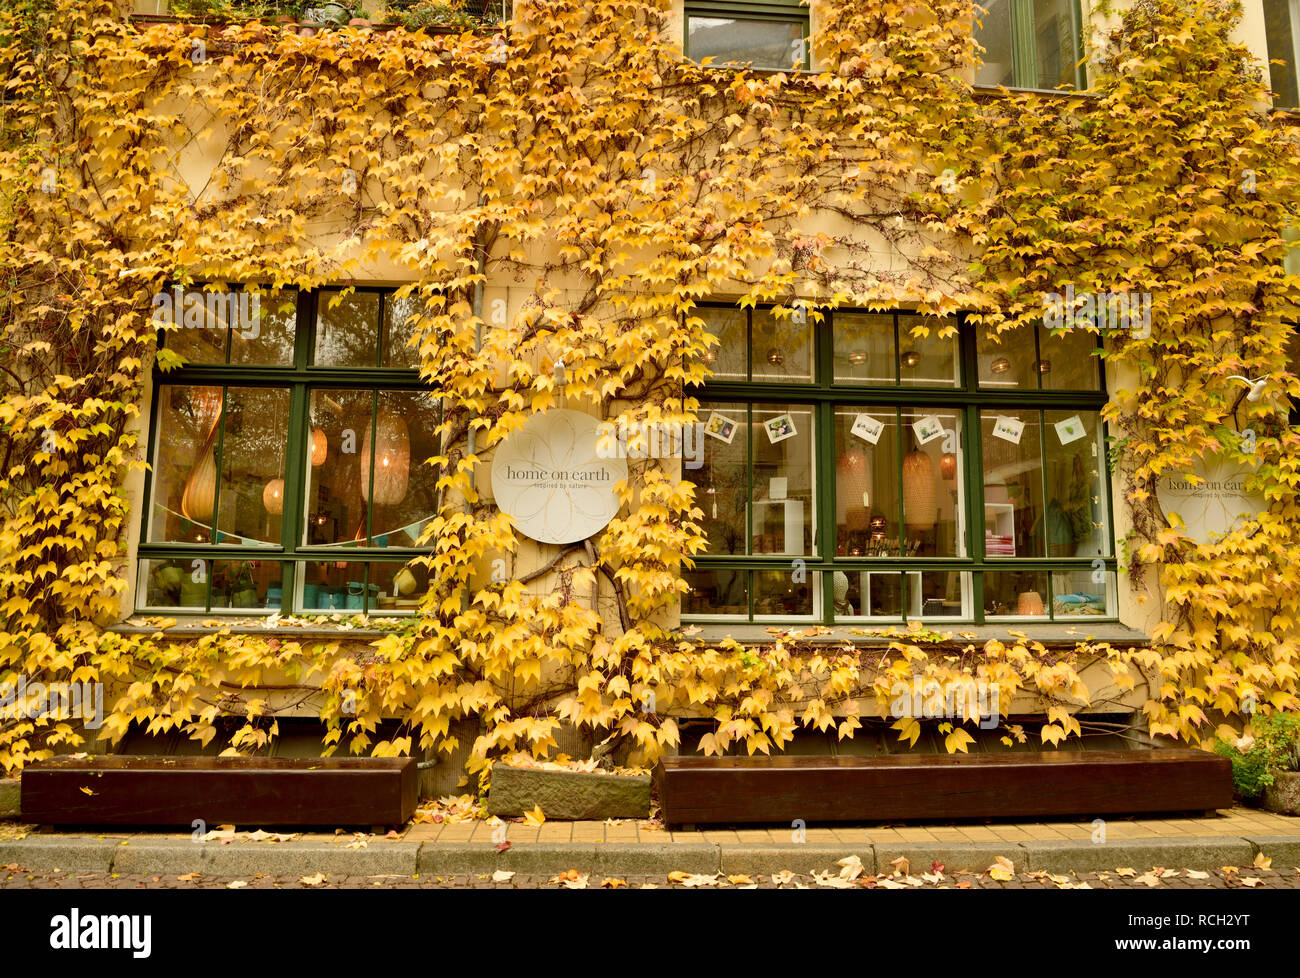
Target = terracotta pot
(358,22)
(1283,795)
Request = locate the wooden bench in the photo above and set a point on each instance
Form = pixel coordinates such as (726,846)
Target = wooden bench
(174,791)
(894,787)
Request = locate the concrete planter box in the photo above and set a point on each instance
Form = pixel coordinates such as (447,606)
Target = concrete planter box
(9,796)
(1283,795)
(568,795)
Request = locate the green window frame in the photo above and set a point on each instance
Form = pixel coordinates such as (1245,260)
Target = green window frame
(211,561)
(741,390)
(1282,35)
(1026,44)
(779,11)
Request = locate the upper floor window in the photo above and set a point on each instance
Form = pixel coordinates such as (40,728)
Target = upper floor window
(768,35)
(1031,44)
(1282,32)
(881,467)
(286,455)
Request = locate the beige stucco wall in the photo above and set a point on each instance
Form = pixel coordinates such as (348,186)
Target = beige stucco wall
(1134,609)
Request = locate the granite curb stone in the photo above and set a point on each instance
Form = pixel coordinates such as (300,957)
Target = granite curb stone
(1084,856)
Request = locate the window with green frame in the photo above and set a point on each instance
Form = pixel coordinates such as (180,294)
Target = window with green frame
(287,455)
(1282,34)
(877,467)
(1031,44)
(770,35)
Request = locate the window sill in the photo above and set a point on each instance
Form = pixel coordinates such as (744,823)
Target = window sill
(359,627)
(1049,633)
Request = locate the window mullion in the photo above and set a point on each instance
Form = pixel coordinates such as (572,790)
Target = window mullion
(1024,52)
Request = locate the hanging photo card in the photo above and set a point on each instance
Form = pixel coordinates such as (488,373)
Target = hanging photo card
(721,427)
(1008,429)
(927,429)
(868,428)
(780,428)
(1071,429)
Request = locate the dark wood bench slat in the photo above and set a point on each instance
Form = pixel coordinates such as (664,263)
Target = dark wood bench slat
(694,790)
(174,791)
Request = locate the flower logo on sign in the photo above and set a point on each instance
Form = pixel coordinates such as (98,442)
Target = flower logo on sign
(550,478)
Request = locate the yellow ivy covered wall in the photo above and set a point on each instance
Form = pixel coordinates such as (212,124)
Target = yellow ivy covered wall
(578,154)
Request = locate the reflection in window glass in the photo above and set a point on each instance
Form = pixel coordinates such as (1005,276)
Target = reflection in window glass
(777,43)
(347,329)
(395,586)
(783,348)
(251,505)
(929,360)
(399,332)
(1055,33)
(267,340)
(1068,360)
(782,511)
(1007,361)
(1077,594)
(864,348)
(335,510)
(717,591)
(995,37)
(868,594)
(1013,484)
(1281,34)
(866,482)
(1016,594)
(184,479)
(942,594)
(932,482)
(404,493)
(1076,490)
(723,479)
(727,360)
(784,593)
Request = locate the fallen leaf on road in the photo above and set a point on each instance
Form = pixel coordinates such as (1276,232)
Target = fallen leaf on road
(1126,871)
(189,877)
(851,867)
(236,884)
(1196,874)
(1002,870)
(1148,879)
(901,866)
(1228,869)
(783,877)
(502,876)
(693,879)
(1250,881)
(316,880)
(834,882)
(740,879)
(1263,862)
(609,883)
(571,879)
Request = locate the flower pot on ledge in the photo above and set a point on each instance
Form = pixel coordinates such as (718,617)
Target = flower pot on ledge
(1283,795)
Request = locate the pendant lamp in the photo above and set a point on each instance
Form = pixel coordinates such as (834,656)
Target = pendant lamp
(920,506)
(392,460)
(200,493)
(852,484)
(319,447)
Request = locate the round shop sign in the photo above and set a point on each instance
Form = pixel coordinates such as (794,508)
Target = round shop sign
(1216,504)
(551,479)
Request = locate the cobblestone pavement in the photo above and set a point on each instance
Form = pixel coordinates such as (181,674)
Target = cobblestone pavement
(1244,878)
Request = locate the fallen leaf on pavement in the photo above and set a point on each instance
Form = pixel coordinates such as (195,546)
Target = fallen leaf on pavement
(316,880)
(535,817)
(1263,862)
(502,876)
(901,866)
(1002,870)
(610,883)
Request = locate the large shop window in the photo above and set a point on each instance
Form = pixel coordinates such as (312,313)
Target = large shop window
(770,35)
(1282,33)
(867,469)
(287,456)
(1031,44)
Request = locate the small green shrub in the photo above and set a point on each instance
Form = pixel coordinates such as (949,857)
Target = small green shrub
(1275,746)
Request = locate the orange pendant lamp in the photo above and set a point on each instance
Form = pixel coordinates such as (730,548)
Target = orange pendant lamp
(920,505)
(392,460)
(320,447)
(200,493)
